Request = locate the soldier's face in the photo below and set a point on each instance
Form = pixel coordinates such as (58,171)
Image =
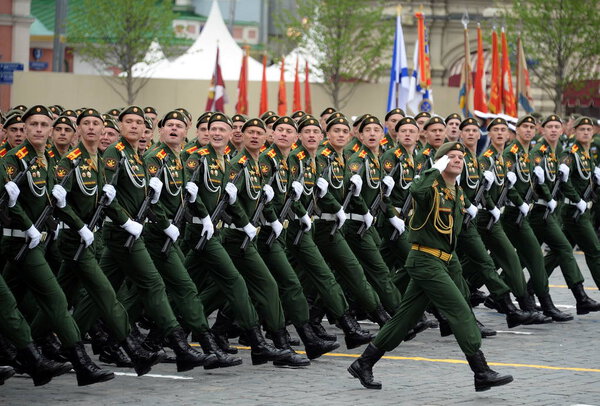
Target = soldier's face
(152,117)
(91,128)
(391,122)
(552,131)
(15,134)
(338,136)
(109,136)
(37,130)
(371,136)
(311,136)
(323,120)
(435,135)
(220,134)
(202,134)
(174,132)
(144,139)
(584,133)
(132,127)
(421,121)
(408,135)
(525,133)
(284,136)
(456,163)
(236,136)
(470,135)
(499,135)
(62,135)
(452,131)
(270,133)
(254,139)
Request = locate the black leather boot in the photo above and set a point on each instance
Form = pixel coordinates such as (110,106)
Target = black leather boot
(321,332)
(379,315)
(353,334)
(445,329)
(490,303)
(485,378)
(514,316)
(98,338)
(153,342)
(585,304)
(219,329)
(261,351)
(362,368)
(8,352)
(292,359)
(551,311)
(477,297)
(209,346)
(421,326)
(294,342)
(5,373)
(485,331)
(87,372)
(315,314)
(112,354)
(527,304)
(187,358)
(314,346)
(30,361)
(51,348)
(141,358)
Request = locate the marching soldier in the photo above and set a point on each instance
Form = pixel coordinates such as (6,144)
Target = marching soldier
(391,119)
(202,137)
(14,128)
(453,122)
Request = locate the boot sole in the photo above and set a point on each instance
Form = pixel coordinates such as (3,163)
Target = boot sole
(362,382)
(103,378)
(221,364)
(6,376)
(145,367)
(505,381)
(316,354)
(355,343)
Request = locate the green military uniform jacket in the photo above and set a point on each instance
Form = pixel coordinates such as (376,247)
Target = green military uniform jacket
(273,163)
(331,166)
(517,160)
(424,158)
(371,174)
(354,145)
(470,177)
(492,160)
(543,156)
(403,176)
(581,173)
(303,168)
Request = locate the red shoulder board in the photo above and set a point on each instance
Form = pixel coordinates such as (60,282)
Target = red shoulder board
(514,149)
(74,154)
(161,154)
(488,153)
(326,152)
(383,141)
(362,154)
(2,152)
(227,150)
(51,154)
(427,151)
(263,148)
(191,150)
(22,153)
(120,146)
(301,155)
(294,145)
(203,151)
(574,148)
(543,148)
(355,147)
(272,153)
(243,160)
(398,153)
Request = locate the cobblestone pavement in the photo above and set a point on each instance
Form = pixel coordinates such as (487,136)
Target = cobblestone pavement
(553,364)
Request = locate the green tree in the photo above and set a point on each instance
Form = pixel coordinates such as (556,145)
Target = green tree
(116,34)
(561,39)
(350,39)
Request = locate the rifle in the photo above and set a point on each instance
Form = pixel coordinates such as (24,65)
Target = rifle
(311,205)
(219,209)
(102,204)
(407,206)
(145,207)
(587,195)
(181,210)
(346,202)
(47,212)
(377,203)
(478,198)
(500,203)
(555,190)
(527,199)
(259,209)
(285,211)
(17,180)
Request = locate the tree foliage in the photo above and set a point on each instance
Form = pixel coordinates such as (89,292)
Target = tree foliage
(116,34)
(561,39)
(350,39)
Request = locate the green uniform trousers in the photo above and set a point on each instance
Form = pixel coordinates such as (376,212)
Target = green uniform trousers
(528,248)
(503,254)
(548,231)
(378,274)
(430,283)
(394,253)
(118,263)
(33,274)
(261,284)
(309,262)
(12,323)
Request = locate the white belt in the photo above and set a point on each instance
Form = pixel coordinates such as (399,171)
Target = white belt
(355,217)
(327,217)
(196,220)
(398,209)
(509,203)
(63,226)
(233,227)
(108,220)
(541,202)
(572,203)
(7,232)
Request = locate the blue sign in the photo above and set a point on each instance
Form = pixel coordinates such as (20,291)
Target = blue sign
(37,53)
(38,65)
(10,66)
(6,77)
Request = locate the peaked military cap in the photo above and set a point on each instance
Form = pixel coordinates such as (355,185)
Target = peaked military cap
(285,120)
(298,114)
(148,122)
(583,120)
(131,110)
(453,116)
(204,117)
(114,112)
(328,110)
(468,121)
(551,117)
(406,120)
(394,111)
(37,109)
(21,107)
(433,120)
(173,115)
(238,118)
(88,113)
(306,117)
(367,121)
(497,121)
(186,113)
(220,117)
(271,119)
(338,120)
(13,118)
(267,114)
(254,122)
(307,123)
(360,119)
(69,113)
(112,123)
(526,119)
(150,110)
(447,147)
(333,116)
(64,120)
(56,109)
(422,114)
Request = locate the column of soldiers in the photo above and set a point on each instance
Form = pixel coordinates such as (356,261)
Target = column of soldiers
(274,221)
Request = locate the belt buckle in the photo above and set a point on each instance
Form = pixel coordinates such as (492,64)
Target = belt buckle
(44,236)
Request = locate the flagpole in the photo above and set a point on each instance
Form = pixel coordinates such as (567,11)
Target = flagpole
(518,73)
(397,83)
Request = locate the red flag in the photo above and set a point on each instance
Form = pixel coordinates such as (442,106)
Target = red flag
(282,98)
(264,104)
(523,84)
(242,104)
(297,103)
(479,85)
(508,94)
(495,103)
(307,101)
(216,93)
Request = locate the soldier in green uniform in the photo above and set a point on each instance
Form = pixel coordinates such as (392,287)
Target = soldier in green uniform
(63,132)
(14,128)
(201,136)
(421,118)
(516,157)
(545,226)
(453,122)
(354,143)
(32,272)
(328,111)
(237,138)
(434,130)
(434,227)
(110,135)
(391,119)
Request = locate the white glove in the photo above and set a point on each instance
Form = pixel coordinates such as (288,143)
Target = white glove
(524,208)
(60,194)
(398,224)
(368,219)
(552,205)
(269,193)
(597,175)
(208,227)
(34,236)
(563,171)
(277,227)
(133,227)
(388,183)
(231,191)
(472,211)
(322,187)
(172,232)
(512,179)
(192,189)
(86,236)
(297,190)
(156,185)
(441,163)
(306,223)
(341,217)
(581,206)
(13,193)
(356,180)
(250,231)
(539,173)
(488,176)
(110,192)
(495,212)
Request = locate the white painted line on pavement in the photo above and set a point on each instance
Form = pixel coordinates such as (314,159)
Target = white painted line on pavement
(523,333)
(154,376)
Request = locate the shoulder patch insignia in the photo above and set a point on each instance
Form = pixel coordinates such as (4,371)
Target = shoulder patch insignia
(272,153)
(543,148)
(242,160)
(355,147)
(61,172)
(301,155)
(22,153)
(294,146)
(204,151)
(227,150)
(383,141)
(192,149)
(74,154)
(514,149)
(10,170)
(537,159)
(354,166)
(427,151)
(488,153)
(111,163)
(398,153)
(263,148)
(51,154)
(264,168)
(192,163)
(326,152)
(161,154)
(152,169)
(388,165)
(120,146)
(3,152)
(362,154)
